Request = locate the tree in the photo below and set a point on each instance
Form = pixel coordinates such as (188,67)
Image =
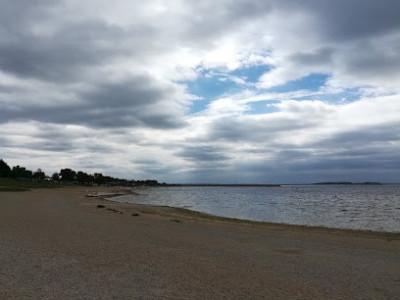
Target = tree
(21,172)
(28,174)
(17,171)
(55,177)
(99,178)
(39,175)
(83,177)
(67,174)
(5,170)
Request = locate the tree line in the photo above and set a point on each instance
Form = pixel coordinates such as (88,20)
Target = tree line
(70,176)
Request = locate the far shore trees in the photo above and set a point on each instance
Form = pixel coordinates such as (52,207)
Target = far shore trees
(39,175)
(84,178)
(69,176)
(21,172)
(5,170)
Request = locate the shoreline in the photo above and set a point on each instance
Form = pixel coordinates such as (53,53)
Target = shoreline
(239,220)
(210,217)
(57,243)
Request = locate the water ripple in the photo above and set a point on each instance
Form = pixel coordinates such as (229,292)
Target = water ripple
(366,207)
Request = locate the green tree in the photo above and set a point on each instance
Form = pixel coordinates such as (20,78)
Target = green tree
(99,178)
(83,177)
(21,172)
(5,170)
(39,175)
(55,176)
(67,174)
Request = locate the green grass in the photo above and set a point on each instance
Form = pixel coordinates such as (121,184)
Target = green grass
(14,185)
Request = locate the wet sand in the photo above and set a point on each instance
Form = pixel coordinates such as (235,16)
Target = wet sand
(57,244)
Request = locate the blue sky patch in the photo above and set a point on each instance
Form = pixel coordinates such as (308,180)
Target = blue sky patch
(211,87)
(262,107)
(212,84)
(348,95)
(198,105)
(252,74)
(312,82)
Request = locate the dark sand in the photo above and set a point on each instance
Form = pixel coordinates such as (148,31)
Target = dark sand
(56,244)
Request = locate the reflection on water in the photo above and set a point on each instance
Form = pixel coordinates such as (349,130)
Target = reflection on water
(368,207)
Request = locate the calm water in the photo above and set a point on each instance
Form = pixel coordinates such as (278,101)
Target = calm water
(368,207)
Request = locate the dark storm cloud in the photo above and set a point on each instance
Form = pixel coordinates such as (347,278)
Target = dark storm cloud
(373,60)
(203,154)
(367,150)
(137,102)
(17,15)
(134,102)
(316,58)
(4,142)
(68,54)
(338,21)
(374,163)
(156,171)
(347,20)
(369,141)
(57,144)
(73,46)
(206,20)
(249,129)
(357,42)
(152,168)
(311,167)
(63,55)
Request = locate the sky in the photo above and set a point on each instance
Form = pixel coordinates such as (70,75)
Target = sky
(255,91)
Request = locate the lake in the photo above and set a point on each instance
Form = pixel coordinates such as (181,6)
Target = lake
(364,207)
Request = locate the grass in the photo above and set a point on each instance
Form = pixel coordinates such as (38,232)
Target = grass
(14,185)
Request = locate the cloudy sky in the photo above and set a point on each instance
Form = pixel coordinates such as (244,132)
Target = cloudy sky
(225,91)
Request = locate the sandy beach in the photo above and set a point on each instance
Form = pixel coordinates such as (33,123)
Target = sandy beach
(58,244)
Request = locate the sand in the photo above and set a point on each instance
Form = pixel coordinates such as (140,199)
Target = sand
(57,244)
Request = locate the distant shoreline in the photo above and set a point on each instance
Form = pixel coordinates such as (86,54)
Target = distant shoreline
(221,185)
(270,185)
(349,183)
